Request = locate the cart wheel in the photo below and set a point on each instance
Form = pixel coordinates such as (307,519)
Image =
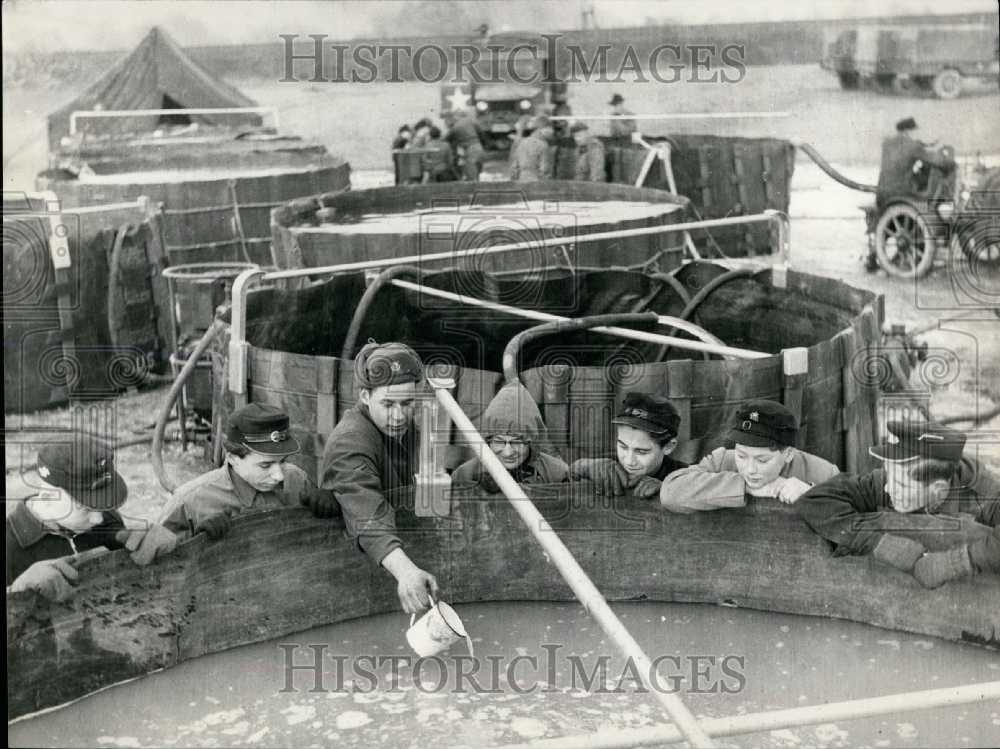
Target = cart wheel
(904,243)
(948,84)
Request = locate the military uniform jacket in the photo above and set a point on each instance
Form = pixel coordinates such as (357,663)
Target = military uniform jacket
(622,128)
(438,160)
(29,540)
(532,160)
(855,512)
(464,134)
(589,165)
(223,492)
(899,154)
(359,464)
(539,468)
(715,483)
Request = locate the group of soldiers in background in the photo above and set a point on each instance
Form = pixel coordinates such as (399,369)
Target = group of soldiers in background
(459,154)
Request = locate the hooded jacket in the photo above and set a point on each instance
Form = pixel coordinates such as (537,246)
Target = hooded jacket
(513,412)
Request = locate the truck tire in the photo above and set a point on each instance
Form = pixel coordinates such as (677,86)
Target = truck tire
(884,81)
(948,84)
(848,81)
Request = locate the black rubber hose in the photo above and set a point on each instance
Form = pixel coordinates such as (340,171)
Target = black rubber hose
(671,280)
(514,345)
(156,452)
(367,299)
(823,164)
(701,296)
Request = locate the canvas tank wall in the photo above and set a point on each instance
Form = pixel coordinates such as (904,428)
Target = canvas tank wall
(211,215)
(284,571)
(721,176)
(90,329)
(296,361)
(421,220)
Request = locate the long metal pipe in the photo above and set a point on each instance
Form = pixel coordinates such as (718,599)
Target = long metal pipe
(775,719)
(676,116)
(768,216)
(636,335)
(570,569)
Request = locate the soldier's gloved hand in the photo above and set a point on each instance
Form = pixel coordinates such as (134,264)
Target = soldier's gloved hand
(215,527)
(147,544)
(936,568)
(608,477)
(898,551)
(647,487)
(51,578)
(323,504)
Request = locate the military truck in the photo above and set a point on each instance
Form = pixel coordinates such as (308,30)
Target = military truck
(521,80)
(933,57)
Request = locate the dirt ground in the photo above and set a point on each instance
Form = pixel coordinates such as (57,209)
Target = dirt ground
(954,303)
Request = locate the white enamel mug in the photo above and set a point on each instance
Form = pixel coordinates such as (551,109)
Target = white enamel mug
(436,630)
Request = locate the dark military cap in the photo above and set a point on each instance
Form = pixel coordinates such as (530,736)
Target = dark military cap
(617,99)
(906,124)
(378,365)
(912,440)
(85,467)
(650,413)
(263,429)
(578,126)
(761,423)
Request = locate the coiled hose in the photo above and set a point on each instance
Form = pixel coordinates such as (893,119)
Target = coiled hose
(514,345)
(701,296)
(156,452)
(368,298)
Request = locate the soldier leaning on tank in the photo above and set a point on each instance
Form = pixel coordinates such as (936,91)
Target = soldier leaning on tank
(532,161)
(254,477)
(439,161)
(589,162)
(465,137)
(373,450)
(929,511)
(513,428)
(402,139)
(620,128)
(763,462)
(421,133)
(645,435)
(76,511)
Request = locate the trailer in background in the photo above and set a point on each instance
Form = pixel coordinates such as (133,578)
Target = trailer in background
(930,57)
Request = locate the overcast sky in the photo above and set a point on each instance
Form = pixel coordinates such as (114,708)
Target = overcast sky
(113,25)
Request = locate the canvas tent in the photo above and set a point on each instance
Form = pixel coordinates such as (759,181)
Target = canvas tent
(157,74)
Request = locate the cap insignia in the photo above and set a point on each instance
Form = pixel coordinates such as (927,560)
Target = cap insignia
(279,436)
(44,472)
(638,413)
(754,416)
(395,367)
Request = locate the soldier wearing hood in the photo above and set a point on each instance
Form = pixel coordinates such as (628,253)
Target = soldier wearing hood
(513,428)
